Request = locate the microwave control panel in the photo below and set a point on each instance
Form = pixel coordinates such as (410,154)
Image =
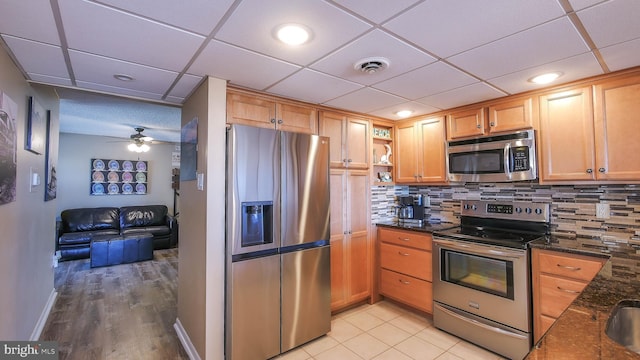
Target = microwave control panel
(520,158)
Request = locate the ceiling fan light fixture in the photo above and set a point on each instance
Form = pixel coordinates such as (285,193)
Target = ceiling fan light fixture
(371,65)
(293,34)
(545,78)
(123,77)
(139,148)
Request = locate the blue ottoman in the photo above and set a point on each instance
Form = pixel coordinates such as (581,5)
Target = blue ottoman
(109,250)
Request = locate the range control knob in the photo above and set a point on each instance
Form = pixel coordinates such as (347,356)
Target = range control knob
(538,211)
(473,207)
(518,210)
(527,210)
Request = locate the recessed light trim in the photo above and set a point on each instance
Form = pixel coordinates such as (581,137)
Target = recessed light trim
(123,77)
(293,34)
(545,78)
(404,113)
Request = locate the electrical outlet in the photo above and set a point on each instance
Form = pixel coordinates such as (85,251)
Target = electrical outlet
(603,211)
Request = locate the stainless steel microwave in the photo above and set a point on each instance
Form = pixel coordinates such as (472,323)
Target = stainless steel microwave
(498,158)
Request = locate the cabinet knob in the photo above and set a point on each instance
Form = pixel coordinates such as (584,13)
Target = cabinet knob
(478,126)
(602,170)
(402,254)
(280,121)
(492,124)
(349,160)
(273,121)
(404,282)
(589,171)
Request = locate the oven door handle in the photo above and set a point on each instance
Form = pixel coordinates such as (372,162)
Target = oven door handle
(479,250)
(479,324)
(507,160)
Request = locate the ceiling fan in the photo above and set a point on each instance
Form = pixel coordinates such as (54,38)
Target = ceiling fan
(139,142)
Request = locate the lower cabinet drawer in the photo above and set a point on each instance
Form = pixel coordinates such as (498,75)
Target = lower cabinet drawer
(557,294)
(406,289)
(406,260)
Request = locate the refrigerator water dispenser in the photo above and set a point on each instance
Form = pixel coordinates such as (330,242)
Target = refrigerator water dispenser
(257,220)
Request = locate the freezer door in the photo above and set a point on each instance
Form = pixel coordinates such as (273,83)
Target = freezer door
(253,189)
(253,309)
(305,188)
(306,296)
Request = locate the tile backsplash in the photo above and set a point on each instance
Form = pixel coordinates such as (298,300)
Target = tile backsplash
(573,213)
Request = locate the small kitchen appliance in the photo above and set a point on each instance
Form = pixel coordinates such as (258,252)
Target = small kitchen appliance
(411,209)
(481,274)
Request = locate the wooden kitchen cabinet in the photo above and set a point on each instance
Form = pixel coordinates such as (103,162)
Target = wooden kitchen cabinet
(405,267)
(349,139)
(585,132)
(558,278)
(258,110)
(382,142)
(420,146)
(350,240)
(504,116)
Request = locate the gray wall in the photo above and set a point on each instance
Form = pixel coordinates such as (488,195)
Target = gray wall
(27,224)
(74,172)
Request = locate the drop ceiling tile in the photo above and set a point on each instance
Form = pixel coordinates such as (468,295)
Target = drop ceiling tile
(51,80)
(252,23)
(605,32)
(543,44)
(100,70)
(573,68)
(97,29)
(446,27)
(365,100)
(417,108)
(622,56)
(376,10)
(461,96)
(118,90)
(427,80)
(246,68)
(312,86)
(200,16)
(37,57)
(402,58)
(185,86)
(30,20)
(581,4)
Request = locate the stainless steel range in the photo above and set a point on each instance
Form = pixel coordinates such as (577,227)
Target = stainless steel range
(481,274)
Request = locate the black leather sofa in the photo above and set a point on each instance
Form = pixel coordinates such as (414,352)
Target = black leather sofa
(76,227)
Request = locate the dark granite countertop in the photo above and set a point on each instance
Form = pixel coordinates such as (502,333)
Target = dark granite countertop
(427,227)
(579,333)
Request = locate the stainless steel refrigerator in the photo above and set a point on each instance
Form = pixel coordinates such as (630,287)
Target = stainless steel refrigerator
(278,289)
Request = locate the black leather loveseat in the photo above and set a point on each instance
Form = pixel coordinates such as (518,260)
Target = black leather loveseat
(77,227)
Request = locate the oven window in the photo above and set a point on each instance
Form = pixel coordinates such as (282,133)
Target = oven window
(477,162)
(493,276)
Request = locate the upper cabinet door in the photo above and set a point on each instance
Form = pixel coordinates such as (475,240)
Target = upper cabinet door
(357,143)
(566,136)
(332,125)
(432,158)
(406,148)
(250,110)
(466,123)
(296,118)
(511,115)
(617,126)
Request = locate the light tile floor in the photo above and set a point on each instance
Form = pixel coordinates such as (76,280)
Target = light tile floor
(385,331)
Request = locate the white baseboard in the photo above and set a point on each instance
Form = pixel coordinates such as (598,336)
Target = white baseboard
(42,321)
(186,341)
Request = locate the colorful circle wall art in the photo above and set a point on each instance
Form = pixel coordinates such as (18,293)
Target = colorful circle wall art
(118,177)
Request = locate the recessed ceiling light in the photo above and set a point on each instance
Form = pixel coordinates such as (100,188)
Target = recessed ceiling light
(545,78)
(123,77)
(404,113)
(293,34)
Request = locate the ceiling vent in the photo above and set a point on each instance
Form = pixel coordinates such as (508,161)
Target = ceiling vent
(371,65)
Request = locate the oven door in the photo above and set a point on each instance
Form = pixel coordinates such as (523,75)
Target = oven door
(488,281)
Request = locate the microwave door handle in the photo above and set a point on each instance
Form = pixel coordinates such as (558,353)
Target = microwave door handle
(507,161)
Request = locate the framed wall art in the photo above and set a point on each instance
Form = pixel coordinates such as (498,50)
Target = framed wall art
(51,184)
(189,150)
(119,177)
(36,127)
(8,149)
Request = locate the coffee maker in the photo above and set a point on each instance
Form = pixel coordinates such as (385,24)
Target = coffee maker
(411,209)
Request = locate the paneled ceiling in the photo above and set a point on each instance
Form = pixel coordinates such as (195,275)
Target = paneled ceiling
(441,53)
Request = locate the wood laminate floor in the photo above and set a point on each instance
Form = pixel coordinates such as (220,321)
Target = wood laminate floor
(117,312)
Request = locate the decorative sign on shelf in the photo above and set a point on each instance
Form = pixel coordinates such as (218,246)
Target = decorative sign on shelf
(118,177)
(382,133)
